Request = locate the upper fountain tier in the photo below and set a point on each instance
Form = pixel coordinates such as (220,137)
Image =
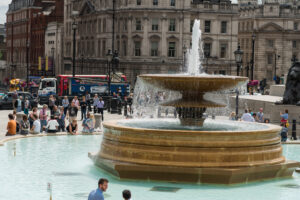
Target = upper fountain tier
(199,84)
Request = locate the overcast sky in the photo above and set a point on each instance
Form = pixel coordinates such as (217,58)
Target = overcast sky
(4,7)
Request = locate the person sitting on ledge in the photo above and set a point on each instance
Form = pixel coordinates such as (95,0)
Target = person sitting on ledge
(36,127)
(73,127)
(88,124)
(52,125)
(11,126)
(24,125)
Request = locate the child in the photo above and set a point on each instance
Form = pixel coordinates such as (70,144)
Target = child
(284,132)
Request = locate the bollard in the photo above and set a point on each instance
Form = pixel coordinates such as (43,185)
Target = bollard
(294,135)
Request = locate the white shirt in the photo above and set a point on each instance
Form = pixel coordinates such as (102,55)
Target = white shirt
(247,117)
(37,126)
(52,124)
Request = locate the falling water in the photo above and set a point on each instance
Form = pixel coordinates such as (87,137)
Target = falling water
(195,54)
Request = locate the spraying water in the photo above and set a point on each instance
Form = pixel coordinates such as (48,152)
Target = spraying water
(195,54)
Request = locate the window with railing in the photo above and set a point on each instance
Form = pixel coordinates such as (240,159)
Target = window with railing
(207,26)
(155,2)
(138,24)
(154,48)
(223,27)
(137,48)
(172,2)
(155,24)
(223,48)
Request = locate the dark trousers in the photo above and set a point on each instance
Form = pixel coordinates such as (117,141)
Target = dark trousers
(61,126)
(65,110)
(100,110)
(83,113)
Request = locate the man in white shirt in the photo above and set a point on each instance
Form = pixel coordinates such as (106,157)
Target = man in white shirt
(36,127)
(52,125)
(247,117)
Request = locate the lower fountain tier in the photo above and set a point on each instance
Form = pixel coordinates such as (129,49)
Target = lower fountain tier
(124,170)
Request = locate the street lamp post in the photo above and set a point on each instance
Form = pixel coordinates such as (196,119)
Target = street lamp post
(74,27)
(275,70)
(252,58)
(184,54)
(238,59)
(27,63)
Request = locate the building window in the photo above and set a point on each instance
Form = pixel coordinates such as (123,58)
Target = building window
(207,26)
(207,49)
(124,48)
(138,2)
(103,48)
(155,2)
(223,27)
(295,26)
(138,24)
(125,25)
(137,48)
(270,43)
(104,25)
(294,44)
(172,2)
(154,24)
(99,25)
(191,25)
(223,50)
(154,48)
(270,59)
(172,49)
(172,25)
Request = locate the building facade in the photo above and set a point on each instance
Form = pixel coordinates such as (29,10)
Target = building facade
(274,27)
(54,45)
(26,24)
(151,36)
(3,66)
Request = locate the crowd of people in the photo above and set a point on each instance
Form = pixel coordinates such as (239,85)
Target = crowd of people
(250,116)
(52,118)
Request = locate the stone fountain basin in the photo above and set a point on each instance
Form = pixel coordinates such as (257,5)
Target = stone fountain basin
(222,157)
(188,83)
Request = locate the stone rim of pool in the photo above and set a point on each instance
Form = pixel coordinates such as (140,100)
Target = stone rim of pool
(192,156)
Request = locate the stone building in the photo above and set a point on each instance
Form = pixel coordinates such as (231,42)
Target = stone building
(151,36)
(26,24)
(3,66)
(276,27)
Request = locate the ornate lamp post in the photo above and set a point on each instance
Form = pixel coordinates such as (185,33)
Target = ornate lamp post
(238,59)
(252,59)
(74,27)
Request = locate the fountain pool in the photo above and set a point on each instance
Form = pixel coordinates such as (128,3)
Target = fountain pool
(63,161)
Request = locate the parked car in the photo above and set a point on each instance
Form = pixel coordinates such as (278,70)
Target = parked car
(6,102)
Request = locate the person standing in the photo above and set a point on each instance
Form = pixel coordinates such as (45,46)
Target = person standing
(83,106)
(43,117)
(100,106)
(51,103)
(61,119)
(88,101)
(284,116)
(76,101)
(72,112)
(26,106)
(95,102)
(260,116)
(65,104)
(97,194)
(18,104)
(14,97)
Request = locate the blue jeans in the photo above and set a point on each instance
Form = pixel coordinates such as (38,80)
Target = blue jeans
(43,123)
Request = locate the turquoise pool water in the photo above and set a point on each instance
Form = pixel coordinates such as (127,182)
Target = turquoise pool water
(63,161)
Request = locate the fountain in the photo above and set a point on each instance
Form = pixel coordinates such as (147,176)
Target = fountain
(192,149)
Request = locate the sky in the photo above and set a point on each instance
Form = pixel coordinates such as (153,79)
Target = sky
(3,10)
